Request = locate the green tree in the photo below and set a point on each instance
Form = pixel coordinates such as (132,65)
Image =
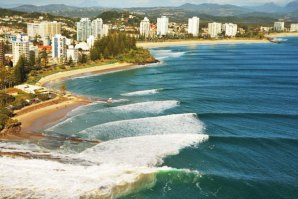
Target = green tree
(19,71)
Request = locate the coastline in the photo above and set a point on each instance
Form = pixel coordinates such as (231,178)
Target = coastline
(35,118)
(84,71)
(199,42)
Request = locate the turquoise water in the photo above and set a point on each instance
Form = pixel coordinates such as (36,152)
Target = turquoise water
(244,97)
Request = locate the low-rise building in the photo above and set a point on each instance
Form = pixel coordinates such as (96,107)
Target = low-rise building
(214,29)
(294,27)
(230,29)
(279,26)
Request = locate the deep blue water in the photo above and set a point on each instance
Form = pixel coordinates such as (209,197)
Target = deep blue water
(246,96)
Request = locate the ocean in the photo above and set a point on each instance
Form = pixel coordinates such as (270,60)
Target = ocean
(209,121)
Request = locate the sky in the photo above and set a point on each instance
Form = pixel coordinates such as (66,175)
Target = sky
(135,3)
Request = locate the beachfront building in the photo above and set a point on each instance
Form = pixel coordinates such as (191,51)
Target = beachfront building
(294,27)
(214,29)
(90,41)
(97,28)
(2,54)
(84,29)
(162,26)
(20,47)
(230,29)
(106,29)
(49,29)
(145,27)
(279,26)
(33,29)
(59,47)
(194,26)
(72,54)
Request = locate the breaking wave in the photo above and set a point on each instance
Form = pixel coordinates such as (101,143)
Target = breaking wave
(169,124)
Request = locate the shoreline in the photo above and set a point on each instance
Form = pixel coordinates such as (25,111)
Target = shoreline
(199,42)
(35,118)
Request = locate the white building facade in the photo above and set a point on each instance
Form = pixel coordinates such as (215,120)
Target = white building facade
(106,29)
(49,29)
(214,29)
(33,29)
(230,29)
(162,26)
(84,29)
(72,54)
(59,47)
(145,27)
(279,26)
(20,47)
(194,26)
(97,27)
(294,27)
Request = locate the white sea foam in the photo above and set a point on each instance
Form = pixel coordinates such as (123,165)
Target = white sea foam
(163,54)
(169,124)
(151,107)
(117,167)
(146,150)
(141,93)
(145,107)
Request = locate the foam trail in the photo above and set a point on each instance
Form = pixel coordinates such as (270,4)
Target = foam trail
(170,124)
(146,107)
(141,93)
(163,54)
(117,167)
(140,151)
(151,107)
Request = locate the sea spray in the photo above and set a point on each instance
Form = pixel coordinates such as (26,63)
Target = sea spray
(116,168)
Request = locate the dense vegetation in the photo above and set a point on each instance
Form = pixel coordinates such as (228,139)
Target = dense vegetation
(121,47)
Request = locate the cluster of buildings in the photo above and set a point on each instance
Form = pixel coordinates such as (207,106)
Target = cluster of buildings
(193,28)
(46,36)
(279,26)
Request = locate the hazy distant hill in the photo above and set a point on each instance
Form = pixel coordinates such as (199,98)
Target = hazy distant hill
(266,12)
(62,10)
(215,9)
(292,6)
(268,7)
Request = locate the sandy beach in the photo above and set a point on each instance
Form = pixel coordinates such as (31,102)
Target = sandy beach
(198,42)
(36,117)
(84,71)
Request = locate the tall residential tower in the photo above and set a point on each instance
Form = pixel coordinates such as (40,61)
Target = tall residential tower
(162,26)
(194,26)
(145,27)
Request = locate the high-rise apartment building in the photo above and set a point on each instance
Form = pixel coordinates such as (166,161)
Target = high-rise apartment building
(230,29)
(84,29)
(279,26)
(20,47)
(49,29)
(59,47)
(294,27)
(106,29)
(145,27)
(97,28)
(162,26)
(33,29)
(214,29)
(194,26)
